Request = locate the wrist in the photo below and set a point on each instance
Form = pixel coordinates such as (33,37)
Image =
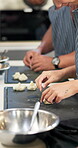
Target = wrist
(55,62)
(37,50)
(42,47)
(75,84)
(69,72)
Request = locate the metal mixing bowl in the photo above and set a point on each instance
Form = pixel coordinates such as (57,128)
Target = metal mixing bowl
(4,67)
(3,58)
(14,125)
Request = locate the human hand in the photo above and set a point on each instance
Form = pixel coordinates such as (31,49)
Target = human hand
(28,57)
(58,92)
(48,77)
(57,4)
(41,62)
(60,3)
(68,1)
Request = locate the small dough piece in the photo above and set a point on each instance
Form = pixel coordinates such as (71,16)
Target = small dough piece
(16,75)
(19,87)
(20,77)
(46,102)
(23,77)
(32,86)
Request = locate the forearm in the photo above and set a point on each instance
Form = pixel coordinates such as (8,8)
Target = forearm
(46,43)
(67,60)
(69,72)
(76,86)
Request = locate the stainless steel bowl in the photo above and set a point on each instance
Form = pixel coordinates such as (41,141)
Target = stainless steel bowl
(14,125)
(4,67)
(3,58)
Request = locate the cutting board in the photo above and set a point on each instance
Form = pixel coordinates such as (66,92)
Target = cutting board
(66,109)
(14,99)
(8,78)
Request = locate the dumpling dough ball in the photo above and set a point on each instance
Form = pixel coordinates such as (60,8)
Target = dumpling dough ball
(23,77)
(16,75)
(19,87)
(32,86)
(46,102)
(20,77)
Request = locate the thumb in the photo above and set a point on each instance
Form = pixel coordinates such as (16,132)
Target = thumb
(47,82)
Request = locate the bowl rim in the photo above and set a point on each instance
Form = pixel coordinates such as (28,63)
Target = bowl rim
(35,132)
(5,68)
(4,60)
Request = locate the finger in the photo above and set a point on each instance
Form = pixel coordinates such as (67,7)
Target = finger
(47,82)
(52,98)
(26,63)
(40,84)
(34,61)
(37,83)
(36,67)
(47,96)
(58,99)
(28,59)
(43,94)
(31,63)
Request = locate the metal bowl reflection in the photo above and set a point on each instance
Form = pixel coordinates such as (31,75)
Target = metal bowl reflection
(14,125)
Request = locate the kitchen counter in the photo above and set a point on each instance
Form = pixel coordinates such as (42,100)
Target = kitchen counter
(35,144)
(13,46)
(66,106)
(2,84)
(17,46)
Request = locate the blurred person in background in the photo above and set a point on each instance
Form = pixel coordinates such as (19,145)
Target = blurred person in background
(59,37)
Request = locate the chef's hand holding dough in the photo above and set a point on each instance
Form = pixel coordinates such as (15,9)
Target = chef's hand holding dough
(48,77)
(56,93)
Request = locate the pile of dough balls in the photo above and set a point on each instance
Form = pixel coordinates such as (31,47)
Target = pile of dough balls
(20,77)
(32,86)
(22,87)
(19,87)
